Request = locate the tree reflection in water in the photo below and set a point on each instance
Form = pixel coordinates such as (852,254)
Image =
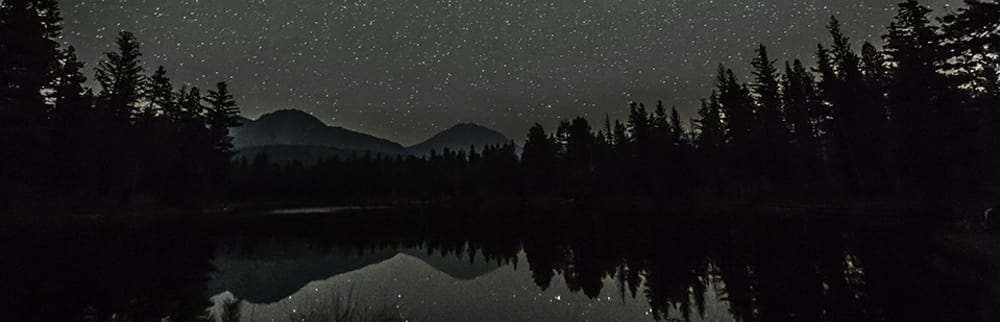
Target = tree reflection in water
(764,267)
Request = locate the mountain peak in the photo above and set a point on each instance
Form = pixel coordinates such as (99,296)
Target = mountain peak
(460,137)
(297,128)
(291,117)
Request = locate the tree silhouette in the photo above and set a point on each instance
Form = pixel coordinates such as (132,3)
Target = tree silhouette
(676,129)
(770,135)
(222,114)
(711,131)
(160,97)
(121,79)
(970,36)
(538,158)
(918,98)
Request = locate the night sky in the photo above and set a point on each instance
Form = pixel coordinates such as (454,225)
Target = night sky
(405,69)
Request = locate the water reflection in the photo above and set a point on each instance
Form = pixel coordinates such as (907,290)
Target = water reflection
(408,286)
(553,265)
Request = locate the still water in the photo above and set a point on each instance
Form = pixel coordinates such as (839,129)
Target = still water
(422,264)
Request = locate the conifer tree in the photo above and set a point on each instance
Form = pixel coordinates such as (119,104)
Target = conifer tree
(71,100)
(676,128)
(30,54)
(737,106)
(797,100)
(538,158)
(221,115)
(120,75)
(160,96)
(971,37)
(767,89)
(711,131)
(873,67)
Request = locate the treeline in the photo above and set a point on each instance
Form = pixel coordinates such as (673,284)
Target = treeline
(135,140)
(915,120)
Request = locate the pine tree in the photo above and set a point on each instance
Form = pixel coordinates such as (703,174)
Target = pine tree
(873,67)
(971,36)
(676,128)
(579,154)
(189,103)
(711,131)
(660,121)
(737,106)
(608,132)
(845,60)
(160,96)
(71,100)
(828,80)
(769,151)
(913,50)
(539,159)
(639,123)
(221,115)
(798,102)
(30,55)
(767,89)
(622,140)
(919,99)
(120,75)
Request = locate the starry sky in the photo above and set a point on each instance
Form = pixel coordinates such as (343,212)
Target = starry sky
(406,69)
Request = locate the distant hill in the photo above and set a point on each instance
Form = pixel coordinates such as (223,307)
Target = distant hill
(297,128)
(460,137)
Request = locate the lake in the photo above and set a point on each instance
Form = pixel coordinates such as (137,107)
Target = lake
(441,264)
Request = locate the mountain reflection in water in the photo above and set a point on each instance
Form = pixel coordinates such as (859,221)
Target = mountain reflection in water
(414,285)
(500,265)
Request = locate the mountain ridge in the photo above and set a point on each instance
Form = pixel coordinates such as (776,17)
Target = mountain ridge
(294,135)
(294,127)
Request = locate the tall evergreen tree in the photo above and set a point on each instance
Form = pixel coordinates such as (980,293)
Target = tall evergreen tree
(539,159)
(639,123)
(29,56)
(846,60)
(676,128)
(737,106)
(971,37)
(120,75)
(189,102)
(622,140)
(160,96)
(767,89)
(798,100)
(769,151)
(608,132)
(919,99)
(711,131)
(222,114)
(28,44)
(972,41)
(873,68)
(71,100)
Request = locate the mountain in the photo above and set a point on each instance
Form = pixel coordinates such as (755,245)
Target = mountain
(271,272)
(297,128)
(460,137)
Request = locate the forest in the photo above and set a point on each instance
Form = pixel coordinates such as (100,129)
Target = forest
(134,140)
(911,122)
